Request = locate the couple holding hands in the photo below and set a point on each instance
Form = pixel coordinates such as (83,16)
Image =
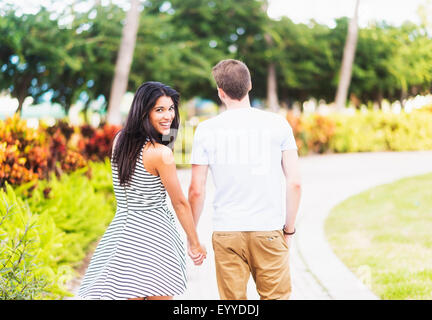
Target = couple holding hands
(250,154)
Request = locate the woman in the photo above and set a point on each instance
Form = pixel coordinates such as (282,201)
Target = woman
(141,255)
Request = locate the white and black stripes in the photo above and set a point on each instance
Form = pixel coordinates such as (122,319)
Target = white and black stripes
(141,253)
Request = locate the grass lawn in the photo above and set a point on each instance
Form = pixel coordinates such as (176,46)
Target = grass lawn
(384,235)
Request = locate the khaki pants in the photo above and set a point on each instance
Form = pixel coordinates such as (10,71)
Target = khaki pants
(262,253)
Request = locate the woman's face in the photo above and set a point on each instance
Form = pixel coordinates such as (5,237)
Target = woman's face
(162,115)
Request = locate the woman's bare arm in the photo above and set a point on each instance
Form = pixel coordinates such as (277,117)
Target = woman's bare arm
(162,160)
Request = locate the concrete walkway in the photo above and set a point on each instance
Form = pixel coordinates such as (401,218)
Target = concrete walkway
(327,180)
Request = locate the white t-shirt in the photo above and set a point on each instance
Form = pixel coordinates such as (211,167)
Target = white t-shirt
(243,149)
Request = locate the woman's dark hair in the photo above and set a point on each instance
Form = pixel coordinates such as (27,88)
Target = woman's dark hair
(138,128)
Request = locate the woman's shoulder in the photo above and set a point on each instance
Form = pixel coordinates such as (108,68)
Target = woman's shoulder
(156,147)
(157,151)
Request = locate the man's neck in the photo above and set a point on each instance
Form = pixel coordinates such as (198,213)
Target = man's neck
(238,104)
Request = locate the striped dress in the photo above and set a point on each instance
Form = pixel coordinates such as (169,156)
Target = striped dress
(141,253)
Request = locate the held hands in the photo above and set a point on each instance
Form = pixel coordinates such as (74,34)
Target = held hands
(197,253)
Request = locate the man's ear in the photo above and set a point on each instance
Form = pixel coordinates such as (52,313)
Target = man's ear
(221,93)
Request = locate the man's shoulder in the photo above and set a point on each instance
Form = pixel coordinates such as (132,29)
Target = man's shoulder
(258,117)
(209,123)
(272,118)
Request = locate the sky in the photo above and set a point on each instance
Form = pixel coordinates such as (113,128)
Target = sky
(394,12)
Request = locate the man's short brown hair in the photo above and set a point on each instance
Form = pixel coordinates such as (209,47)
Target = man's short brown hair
(233,77)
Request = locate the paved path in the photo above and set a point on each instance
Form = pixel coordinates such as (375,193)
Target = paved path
(327,180)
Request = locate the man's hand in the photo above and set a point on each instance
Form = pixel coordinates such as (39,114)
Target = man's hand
(288,239)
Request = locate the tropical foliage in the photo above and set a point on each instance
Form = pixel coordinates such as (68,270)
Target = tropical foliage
(28,154)
(362,131)
(45,237)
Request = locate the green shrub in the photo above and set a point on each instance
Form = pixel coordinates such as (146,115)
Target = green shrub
(79,206)
(368,131)
(18,271)
(68,214)
(21,274)
(379,131)
(359,132)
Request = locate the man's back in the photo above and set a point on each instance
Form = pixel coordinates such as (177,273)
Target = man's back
(243,149)
(248,152)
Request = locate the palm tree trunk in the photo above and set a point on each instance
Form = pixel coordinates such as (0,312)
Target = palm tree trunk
(272,96)
(123,63)
(403,97)
(20,105)
(347,61)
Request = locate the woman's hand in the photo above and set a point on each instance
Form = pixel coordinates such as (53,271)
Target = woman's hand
(197,253)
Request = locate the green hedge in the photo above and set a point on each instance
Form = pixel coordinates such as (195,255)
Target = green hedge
(383,132)
(66,215)
(363,132)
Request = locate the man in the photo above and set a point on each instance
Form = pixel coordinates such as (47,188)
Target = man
(248,151)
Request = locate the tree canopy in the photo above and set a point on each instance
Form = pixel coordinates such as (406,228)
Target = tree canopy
(179,41)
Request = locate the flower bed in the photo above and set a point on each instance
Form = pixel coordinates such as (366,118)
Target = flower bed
(28,154)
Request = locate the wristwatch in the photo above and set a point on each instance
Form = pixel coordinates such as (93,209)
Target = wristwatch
(288,233)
